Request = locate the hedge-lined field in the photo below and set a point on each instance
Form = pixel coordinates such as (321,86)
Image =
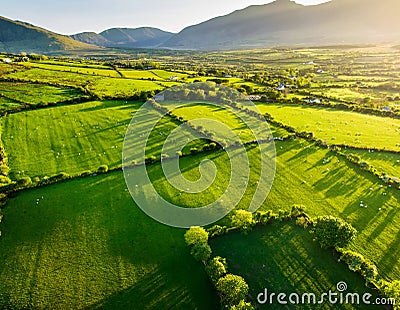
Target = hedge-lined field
(74,138)
(84,243)
(283,258)
(317,179)
(54,77)
(122,88)
(33,94)
(339,127)
(109,72)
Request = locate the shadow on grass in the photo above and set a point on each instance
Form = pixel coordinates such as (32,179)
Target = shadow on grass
(150,292)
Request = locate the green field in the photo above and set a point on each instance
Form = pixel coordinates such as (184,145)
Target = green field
(91,246)
(74,138)
(83,243)
(226,116)
(81,70)
(339,127)
(386,162)
(122,88)
(32,94)
(283,259)
(323,183)
(54,77)
(140,74)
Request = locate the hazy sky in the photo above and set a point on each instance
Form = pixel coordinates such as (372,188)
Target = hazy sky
(72,16)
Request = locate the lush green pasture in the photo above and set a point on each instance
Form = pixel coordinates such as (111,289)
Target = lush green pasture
(33,94)
(75,138)
(54,77)
(7,104)
(283,259)
(319,180)
(74,69)
(85,243)
(382,161)
(339,127)
(140,74)
(166,75)
(228,118)
(122,88)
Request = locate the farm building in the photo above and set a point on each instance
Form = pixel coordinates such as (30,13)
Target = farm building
(313,100)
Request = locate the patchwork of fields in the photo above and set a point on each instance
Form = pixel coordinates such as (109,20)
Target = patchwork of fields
(84,243)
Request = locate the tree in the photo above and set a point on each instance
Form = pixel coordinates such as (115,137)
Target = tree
(392,290)
(216,268)
(333,232)
(201,251)
(242,305)
(195,235)
(232,289)
(243,219)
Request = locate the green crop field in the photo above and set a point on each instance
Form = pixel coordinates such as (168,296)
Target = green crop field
(339,127)
(74,138)
(282,258)
(89,245)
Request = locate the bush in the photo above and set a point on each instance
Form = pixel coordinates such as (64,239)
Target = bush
(333,232)
(216,230)
(217,268)
(24,182)
(150,160)
(201,251)
(232,289)
(303,222)
(85,173)
(242,305)
(195,235)
(102,169)
(243,220)
(4,170)
(264,217)
(297,210)
(391,290)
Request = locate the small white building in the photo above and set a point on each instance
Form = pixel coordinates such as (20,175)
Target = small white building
(313,100)
(280,87)
(320,71)
(173,78)
(7,60)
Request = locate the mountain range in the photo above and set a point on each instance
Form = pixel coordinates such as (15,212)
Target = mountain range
(280,23)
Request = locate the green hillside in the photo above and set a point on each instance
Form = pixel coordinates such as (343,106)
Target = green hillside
(17,37)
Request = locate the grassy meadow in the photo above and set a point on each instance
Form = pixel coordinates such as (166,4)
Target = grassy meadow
(85,244)
(339,127)
(91,246)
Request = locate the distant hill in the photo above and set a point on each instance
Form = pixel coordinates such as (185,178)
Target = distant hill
(284,22)
(144,37)
(17,37)
(280,23)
